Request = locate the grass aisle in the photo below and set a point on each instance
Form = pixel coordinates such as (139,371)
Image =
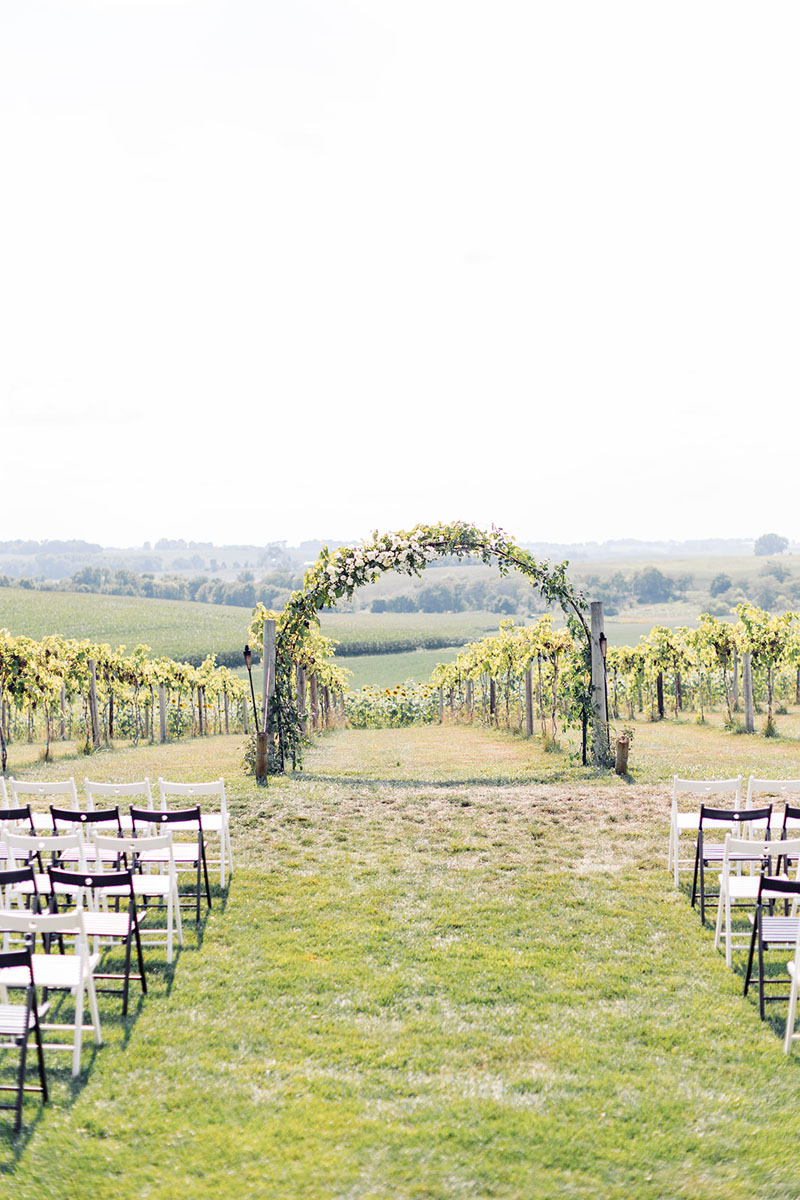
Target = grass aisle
(432,977)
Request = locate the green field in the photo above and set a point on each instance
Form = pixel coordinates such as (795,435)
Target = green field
(447,965)
(385,670)
(376,631)
(175,628)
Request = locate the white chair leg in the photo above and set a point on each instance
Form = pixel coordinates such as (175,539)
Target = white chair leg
(78,1035)
(178,917)
(93,1009)
(787,1042)
(718,929)
(675,854)
(169,926)
(728,930)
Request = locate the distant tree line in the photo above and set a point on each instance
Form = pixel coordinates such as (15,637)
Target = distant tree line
(273,590)
(773,588)
(649,586)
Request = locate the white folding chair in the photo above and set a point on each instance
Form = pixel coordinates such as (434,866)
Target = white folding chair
(793,968)
(787,790)
(215,821)
(137,793)
(3,792)
(57,972)
(64,794)
(683,822)
(161,886)
(44,850)
(742,891)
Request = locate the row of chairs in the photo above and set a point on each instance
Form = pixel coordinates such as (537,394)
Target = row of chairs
(210,796)
(107,903)
(111,870)
(758,865)
(729,791)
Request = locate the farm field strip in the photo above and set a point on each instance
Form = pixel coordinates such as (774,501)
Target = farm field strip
(174,628)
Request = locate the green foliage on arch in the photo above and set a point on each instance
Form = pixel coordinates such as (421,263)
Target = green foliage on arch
(337,575)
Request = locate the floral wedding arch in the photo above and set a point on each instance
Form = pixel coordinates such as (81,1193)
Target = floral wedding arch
(339,573)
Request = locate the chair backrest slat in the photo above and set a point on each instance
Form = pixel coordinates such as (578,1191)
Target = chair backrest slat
(27,846)
(83,818)
(41,790)
(166,816)
(98,790)
(770,787)
(708,787)
(17,816)
(736,817)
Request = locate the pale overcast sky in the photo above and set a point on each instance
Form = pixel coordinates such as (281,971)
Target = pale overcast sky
(299,268)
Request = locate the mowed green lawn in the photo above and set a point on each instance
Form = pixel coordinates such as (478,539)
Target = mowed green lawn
(432,976)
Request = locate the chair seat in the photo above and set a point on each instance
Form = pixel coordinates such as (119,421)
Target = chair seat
(108,924)
(43,887)
(58,971)
(715,853)
(14,1019)
(143,885)
(745,887)
(182,852)
(780,929)
(147,885)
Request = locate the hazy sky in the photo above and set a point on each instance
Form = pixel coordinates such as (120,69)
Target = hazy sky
(299,268)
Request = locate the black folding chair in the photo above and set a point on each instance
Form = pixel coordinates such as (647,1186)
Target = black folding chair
(105,926)
(105,819)
(790,827)
(707,853)
(771,932)
(189,855)
(17,1022)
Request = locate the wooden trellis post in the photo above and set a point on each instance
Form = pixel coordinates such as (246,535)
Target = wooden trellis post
(313,696)
(529,702)
(94,715)
(747,692)
(599,707)
(300,676)
(269,660)
(162,712)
